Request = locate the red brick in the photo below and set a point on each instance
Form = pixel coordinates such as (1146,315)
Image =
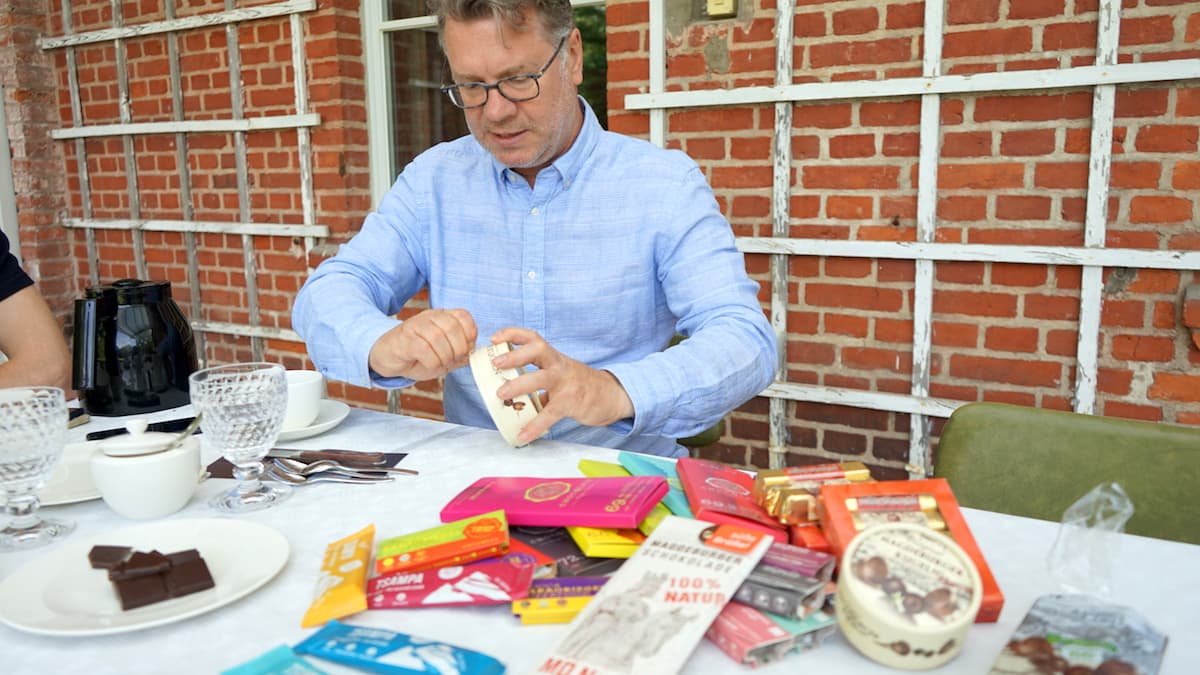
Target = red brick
(1035,9)
(850,177)
(818,353)
(1126,313)
(974,303)
(1021,207)
(890,113)
(1167,138)
(1132,411)
(893,330)
(1012,274)
(1027,142)
(883,50)
(855,208)
(1051,307)
(1134,175)
(843,324)
(1023,372)
(1143,348)
(1011,339)
(1062,342)
(1175,387)
(861,297)
(1160,209)
(854,268)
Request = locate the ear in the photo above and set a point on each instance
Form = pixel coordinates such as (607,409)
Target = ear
(575,51)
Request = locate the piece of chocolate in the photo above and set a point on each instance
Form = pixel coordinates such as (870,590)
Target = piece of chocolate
(180,557)
(104,557)
(140,564)
(189,576)
(140,591)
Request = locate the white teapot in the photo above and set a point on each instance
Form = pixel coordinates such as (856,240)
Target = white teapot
(139,479)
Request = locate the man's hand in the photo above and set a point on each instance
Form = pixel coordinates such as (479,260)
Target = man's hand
(571,388)
(426,346)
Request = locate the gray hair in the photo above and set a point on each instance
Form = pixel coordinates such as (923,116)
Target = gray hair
(557,17)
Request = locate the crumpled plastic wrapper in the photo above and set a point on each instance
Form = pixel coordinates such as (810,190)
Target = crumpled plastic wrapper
(1089,540)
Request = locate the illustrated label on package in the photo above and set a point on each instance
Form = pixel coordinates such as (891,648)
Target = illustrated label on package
(651,613)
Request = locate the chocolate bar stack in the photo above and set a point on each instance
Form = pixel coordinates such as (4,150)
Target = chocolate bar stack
(142,578)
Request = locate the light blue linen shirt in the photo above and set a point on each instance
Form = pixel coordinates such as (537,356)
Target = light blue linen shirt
(619,245)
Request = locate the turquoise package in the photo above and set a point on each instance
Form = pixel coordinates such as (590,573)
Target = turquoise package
(278,661)
(379,650)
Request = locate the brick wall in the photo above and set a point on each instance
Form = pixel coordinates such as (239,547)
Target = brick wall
(1013,170)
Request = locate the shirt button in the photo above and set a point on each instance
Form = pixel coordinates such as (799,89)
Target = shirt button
(534,211)
(532,275)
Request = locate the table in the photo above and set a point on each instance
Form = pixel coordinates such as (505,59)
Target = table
(1157,577)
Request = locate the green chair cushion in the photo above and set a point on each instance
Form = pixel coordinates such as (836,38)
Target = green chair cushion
(1035,462)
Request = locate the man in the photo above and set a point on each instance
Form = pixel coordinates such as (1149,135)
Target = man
(29,334)
(585,249)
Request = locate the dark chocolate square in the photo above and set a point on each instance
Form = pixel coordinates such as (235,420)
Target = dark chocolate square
(104,557)
(140,591)
(188,577)
(140,564)
(180,557)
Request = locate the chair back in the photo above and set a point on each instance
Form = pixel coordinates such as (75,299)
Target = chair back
(1035,462)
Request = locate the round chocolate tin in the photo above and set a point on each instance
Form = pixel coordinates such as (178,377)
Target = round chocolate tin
(907,595)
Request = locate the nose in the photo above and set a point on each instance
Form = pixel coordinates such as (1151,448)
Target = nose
(497,107)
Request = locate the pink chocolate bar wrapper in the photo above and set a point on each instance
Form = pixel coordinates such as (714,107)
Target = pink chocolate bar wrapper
(483,583)
(616,502)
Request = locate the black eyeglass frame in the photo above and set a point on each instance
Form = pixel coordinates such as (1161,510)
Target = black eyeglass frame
(454,91)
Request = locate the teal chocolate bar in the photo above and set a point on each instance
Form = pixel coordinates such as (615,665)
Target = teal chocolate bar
(380,650)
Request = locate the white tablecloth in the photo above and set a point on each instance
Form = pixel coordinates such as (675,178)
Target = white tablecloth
(1156,577)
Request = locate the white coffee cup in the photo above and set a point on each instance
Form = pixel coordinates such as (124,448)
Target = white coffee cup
(305,389)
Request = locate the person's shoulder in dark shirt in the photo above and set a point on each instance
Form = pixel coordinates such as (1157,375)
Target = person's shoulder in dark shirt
(12,277)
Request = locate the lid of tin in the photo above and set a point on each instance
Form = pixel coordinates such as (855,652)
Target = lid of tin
(912,577)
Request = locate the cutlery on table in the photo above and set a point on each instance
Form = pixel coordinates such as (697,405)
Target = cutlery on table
(284,476)
(343,456)
(305,469)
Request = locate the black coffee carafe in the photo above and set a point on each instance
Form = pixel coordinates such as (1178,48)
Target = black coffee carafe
(133,349)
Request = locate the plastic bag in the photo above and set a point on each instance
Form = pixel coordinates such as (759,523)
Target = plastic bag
(1089,540)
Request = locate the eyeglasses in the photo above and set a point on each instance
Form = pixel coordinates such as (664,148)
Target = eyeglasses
(516,88)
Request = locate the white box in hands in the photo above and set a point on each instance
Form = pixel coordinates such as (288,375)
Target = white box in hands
(512,414)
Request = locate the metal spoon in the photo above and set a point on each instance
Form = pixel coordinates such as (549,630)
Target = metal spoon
(282,475)
(309,468)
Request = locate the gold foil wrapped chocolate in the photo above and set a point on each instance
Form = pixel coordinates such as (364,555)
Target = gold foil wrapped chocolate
(790,494)
(918,509)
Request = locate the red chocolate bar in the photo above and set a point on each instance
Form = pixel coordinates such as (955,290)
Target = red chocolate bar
(483,583)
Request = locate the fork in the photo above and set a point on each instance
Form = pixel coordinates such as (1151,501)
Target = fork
(283,475)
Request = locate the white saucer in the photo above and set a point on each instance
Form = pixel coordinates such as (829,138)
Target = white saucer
(71,480)
(60,594)
(331,414)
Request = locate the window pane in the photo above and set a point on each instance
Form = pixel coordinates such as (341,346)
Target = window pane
(421,114)
(405,9)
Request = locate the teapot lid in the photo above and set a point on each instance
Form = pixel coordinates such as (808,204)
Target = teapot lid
(132,291)
(137,442)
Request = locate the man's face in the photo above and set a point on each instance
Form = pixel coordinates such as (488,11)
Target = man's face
(525,136)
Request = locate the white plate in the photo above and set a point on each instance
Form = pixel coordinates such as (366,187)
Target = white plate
(332,413)
(72,479)
(60,594)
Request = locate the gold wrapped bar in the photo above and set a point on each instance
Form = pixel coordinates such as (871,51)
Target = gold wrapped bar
(792,476)
(919,509)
